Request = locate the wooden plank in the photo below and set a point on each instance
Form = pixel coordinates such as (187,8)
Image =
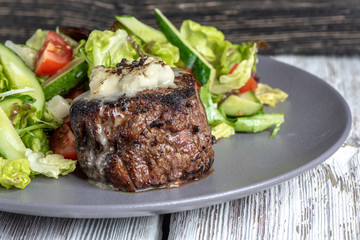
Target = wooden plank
(300,27)
(319,204)
(16,226)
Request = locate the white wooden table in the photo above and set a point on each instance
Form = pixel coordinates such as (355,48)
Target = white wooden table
(323,203)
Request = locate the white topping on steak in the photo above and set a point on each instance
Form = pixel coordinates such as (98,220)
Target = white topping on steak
(129,78)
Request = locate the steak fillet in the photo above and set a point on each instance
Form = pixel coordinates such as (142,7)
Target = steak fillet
(157,138)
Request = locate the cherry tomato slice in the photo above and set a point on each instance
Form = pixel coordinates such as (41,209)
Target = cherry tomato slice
(233,68)
(250,85)
(54,55)
(62,142)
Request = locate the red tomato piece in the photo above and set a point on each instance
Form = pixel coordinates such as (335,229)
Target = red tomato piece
(54,55)
(250,85)
(62,142)
(233,68)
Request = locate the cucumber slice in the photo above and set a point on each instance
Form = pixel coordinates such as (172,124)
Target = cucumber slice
(202,70)
(20,76)
(8,103)
(236,106)
(250,96)
(74,73)
(143,31)
(11,144)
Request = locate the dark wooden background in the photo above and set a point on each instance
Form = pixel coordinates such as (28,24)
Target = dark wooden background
(299,27)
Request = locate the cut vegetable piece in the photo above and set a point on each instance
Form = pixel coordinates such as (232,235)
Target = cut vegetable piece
(270,96)
(153,41)
(62,142)
(74,73)
(21,76)
(54,55)
(259,122)
(14,173)
(250,96)
(222,130)
(250,85)
(202,70)
(11,146)
(141,30)
(236,106)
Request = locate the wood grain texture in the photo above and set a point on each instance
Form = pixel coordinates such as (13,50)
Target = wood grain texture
(16,226)
(322,203)
(300,27)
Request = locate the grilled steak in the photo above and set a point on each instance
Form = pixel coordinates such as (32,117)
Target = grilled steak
(157,138)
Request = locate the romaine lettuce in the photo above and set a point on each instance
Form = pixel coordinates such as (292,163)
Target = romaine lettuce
(214,116)
(107,48)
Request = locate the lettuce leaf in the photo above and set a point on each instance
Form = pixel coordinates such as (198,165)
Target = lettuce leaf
(14,173)
(37,39)
(213,114)
(223,130)
(206,40)
(259,122)
(107,48)
(51,165)
(238,77)
(165,50)
(27,54)
(269,96)
(211,44)
(4,82)
(36,140)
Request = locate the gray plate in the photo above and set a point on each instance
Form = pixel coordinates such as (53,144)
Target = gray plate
(317,122)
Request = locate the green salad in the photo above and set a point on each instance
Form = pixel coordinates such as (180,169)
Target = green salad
(40,78)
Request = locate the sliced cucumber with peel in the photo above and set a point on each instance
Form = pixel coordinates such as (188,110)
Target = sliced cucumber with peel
(240,105)
(143,31)
(202,70)
(72,75)
(11,146)
(21,76)
(249,95)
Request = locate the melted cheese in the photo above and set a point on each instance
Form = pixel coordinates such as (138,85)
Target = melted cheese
(130,78)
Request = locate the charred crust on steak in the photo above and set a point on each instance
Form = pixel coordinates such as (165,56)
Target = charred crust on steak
(196,129)
(126,66)
(157,138)
(156,123)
